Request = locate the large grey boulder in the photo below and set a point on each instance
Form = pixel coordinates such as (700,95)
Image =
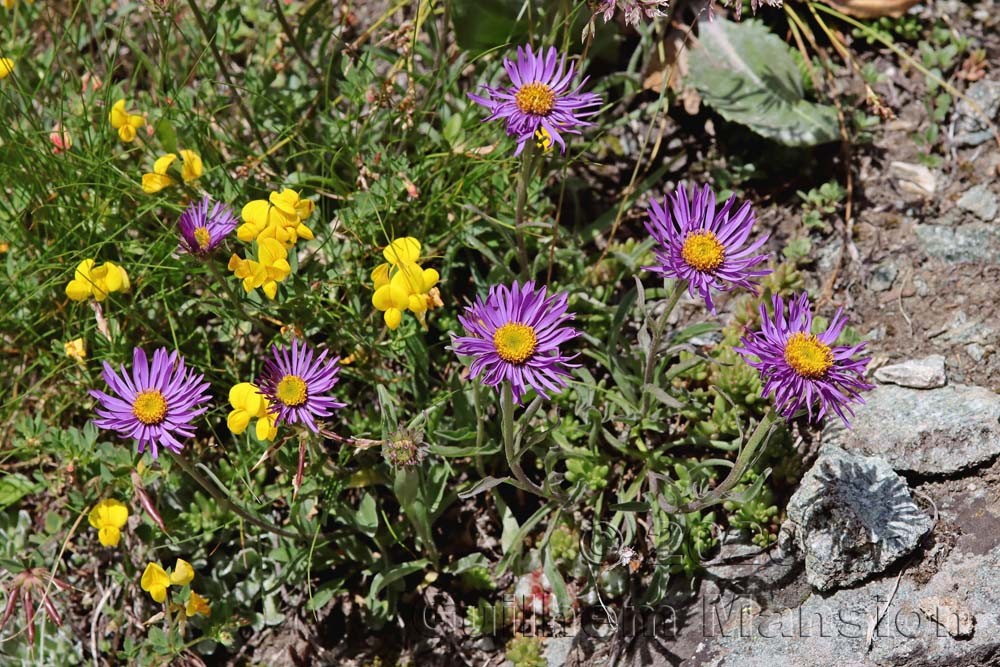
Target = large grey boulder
(853,516)
(936,432)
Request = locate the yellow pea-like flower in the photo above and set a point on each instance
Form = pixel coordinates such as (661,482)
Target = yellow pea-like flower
(402,284)
(109,517)
(76,349)
(270,267)
(6,67)
(155,582)
(126,123)
(404,250)
(90,280)
(196,604)
(248,404)
(182,574)
(280,217)
(192,167)
(159,179)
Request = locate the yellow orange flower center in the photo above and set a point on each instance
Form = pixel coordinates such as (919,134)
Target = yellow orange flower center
(292,390)
(515,342)
(535,98)
(202,237)
(149,407)
(807,356)
(703,252)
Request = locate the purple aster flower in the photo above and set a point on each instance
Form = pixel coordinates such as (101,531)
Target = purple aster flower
(702,246)
(541,102)
(156,404)
(515,337)
(296,383)
(203,230)
(800,369)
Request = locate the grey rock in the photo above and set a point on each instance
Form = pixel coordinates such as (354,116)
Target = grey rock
(928,432)
(828,254)
(971,129)
(833,629)
(876,334)
(926,373)
(883,276)
(950,614)
(976,351)
(913,178)
(962,329)
(980,202)
(853,517)
(557,650)
(753,567)
(965,243)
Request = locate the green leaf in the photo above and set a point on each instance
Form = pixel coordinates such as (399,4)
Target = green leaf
(367,515)
(383,579)
(167,135)
(629,507)
(14,487)
(749,76)
(516,541)
(485,484)
(555,578)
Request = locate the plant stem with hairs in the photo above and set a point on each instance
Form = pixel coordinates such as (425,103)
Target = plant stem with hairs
(509,447)
(223,499)
(656,337)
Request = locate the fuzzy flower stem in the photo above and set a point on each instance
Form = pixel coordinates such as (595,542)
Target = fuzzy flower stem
(656,337)
(519,212)
(507,428)
(477,403)
(223,499)
(300,471)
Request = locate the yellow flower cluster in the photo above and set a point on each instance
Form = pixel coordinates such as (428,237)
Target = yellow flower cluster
(249,404)
(97,281)
(6,67)
(401,284)
(109,517)
(76,349)
(191,169)
(9,4)
(126,123)
(276,224)
(270,268)
(281,216)
(155,581)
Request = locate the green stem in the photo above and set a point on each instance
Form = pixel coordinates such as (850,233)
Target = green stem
(228,504)
(235,296)
(656,337)
(480,427)
(520,209)
(745,459)
(507,428)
